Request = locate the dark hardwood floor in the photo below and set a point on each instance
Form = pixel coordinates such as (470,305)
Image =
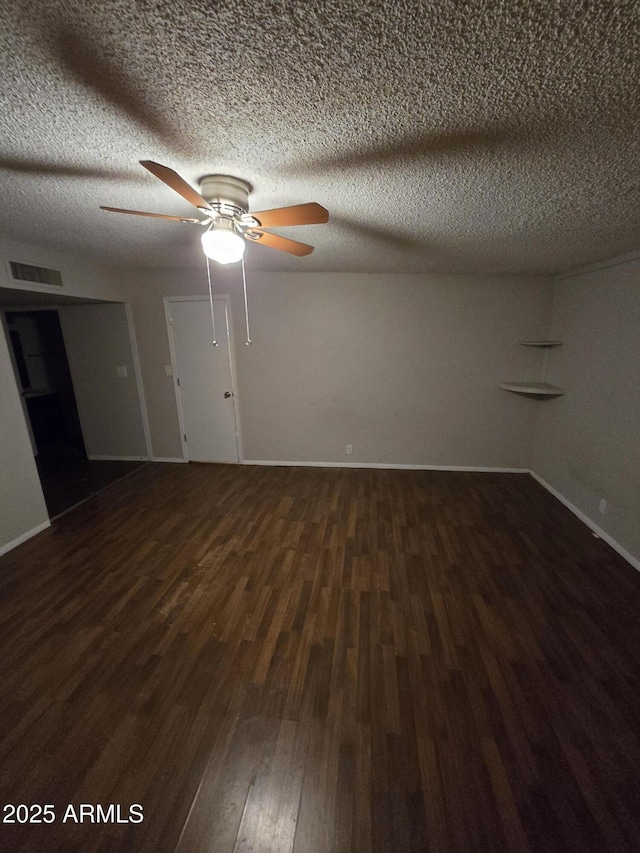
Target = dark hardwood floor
(68,480)
(290,659)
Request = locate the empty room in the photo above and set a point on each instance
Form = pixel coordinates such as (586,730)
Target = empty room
(319,426)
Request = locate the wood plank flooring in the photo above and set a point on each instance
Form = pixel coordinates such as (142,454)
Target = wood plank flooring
(68,480)
(290,659)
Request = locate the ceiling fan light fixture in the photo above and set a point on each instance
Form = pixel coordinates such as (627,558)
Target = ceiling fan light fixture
(222,244)
(224,201)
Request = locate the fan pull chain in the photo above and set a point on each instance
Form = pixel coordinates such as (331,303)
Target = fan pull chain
(213,319)
(247,343)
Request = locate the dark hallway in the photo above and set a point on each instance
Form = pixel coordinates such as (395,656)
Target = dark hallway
(45,383)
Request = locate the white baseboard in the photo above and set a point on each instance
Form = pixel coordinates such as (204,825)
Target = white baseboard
(20,539)
(634,561)
(388,465)
(166,459)
(118,458)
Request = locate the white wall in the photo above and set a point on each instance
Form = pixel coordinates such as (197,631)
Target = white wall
(22,507)
(81,276)
(406,368)
(153,346)
(98,344)
(587,443)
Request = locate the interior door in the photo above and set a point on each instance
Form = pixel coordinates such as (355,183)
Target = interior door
(204,380)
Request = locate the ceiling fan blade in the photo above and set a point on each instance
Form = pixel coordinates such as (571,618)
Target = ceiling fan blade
(297,214)
(274,241)
(155,215)
(172,179)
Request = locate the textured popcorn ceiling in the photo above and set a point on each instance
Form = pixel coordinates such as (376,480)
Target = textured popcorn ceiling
(442,136)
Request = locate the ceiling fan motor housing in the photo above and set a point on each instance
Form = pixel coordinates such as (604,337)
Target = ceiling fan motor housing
(224,201)
(226,193)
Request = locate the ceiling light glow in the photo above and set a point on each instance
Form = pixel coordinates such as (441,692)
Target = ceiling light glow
(222,244)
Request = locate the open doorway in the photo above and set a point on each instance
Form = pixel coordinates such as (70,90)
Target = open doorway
(45,383)
(44,379)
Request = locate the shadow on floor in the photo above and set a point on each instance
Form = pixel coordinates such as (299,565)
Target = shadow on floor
(69,480)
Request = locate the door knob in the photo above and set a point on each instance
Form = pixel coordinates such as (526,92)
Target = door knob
(227,393)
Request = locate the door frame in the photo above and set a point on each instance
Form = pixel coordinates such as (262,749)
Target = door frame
(168,300)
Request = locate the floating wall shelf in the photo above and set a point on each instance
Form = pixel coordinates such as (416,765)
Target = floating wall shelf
(540,343)
(536,389)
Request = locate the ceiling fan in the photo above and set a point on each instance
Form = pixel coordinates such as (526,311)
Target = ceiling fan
(224,201)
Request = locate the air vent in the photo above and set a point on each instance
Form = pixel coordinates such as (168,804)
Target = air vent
(35,275)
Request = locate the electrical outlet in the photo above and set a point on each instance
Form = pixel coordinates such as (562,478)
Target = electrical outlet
(349,448)
(603,506)
(168,370)
(122,372)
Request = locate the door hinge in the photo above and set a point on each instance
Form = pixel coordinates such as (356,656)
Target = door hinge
(178,379)
(185,436)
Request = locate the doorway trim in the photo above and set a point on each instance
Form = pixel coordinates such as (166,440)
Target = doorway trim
(232,362)
(137,370)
